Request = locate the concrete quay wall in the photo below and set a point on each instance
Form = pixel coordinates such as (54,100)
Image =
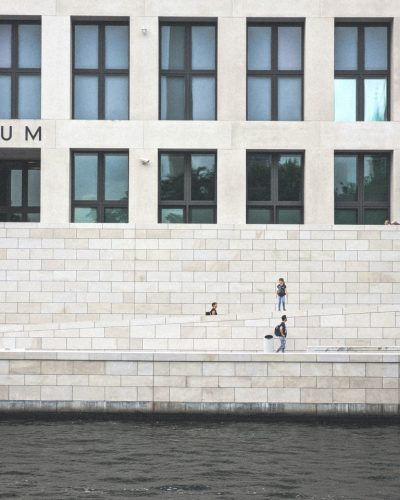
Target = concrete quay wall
(53,273)
(354,326)
(323,383)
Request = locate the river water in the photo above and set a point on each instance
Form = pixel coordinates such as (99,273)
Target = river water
(200,459)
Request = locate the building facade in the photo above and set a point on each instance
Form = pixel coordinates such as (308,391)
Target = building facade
(196,111)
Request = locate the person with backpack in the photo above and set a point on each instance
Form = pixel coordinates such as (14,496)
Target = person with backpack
(281,332)
(281,293)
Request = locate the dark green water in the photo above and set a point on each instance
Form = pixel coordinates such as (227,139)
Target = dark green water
(60,459)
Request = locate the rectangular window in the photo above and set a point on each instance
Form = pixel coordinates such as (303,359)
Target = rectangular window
(19,191)
(100,62)
(275,71)
(188,71)
(20,63)
(99,186)
(362,188)
(362,72)
(187,187)
(274,188)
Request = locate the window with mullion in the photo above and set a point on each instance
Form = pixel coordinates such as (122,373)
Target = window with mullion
(188,62)
(275,71)
(19,191)
(187,187)
(100,70)
(274,188)
(362,188)
(362,71)
(20,69)
(99,186)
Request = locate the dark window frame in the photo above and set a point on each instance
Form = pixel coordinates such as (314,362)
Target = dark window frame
(274,73)
(187,73)
(361,74)
(24,209)
(274,204)
(187,204)
(101,71)
(14,71)
(100,204)
(360,205)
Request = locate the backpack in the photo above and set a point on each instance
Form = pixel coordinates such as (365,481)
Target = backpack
(278,330)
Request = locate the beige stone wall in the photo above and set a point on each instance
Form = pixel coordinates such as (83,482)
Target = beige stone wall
(80,273)
(308,382)
(354,327)
(231,135)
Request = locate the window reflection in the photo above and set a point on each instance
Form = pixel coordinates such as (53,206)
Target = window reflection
(259,98)
(375,95)
(362,188)
(203,47)
(203,177)
(346,178)
(361,72)
(376,48)
(172,176)
(376,178)
(345,100)
(289,178)
(101,71)
(187,188)
(259,47)
(274,188)
(116,177)
(188,71)
(85,180)
(275,72)
(19,191)
(346,52)
(100,187)
(259,177)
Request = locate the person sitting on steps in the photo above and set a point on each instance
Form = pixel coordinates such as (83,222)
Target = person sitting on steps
(213,311)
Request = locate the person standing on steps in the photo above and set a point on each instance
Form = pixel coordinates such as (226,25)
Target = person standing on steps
(281,332)
(281,294)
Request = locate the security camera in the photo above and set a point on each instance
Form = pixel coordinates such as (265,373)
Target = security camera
(144,31)
(144,161)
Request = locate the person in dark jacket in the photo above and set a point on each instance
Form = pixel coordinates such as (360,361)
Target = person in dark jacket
(283,332)
(213,311)
(281,294)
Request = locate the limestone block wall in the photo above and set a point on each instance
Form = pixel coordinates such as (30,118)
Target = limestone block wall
(358,327)
(312,383)
(90,273)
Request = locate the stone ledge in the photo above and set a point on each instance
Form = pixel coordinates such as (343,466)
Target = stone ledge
(251,409)
(329,357)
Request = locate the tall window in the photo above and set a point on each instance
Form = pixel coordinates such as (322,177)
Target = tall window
(188,63)
(19,191)
(274,188)
(187,187)
(362,188)
(99,186)
(100,70)
(20,62)
(275,71)
(362,72)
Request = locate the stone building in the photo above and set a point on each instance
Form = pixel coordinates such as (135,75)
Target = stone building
(158,154)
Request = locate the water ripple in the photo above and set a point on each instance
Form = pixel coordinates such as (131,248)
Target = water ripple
(96,459)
